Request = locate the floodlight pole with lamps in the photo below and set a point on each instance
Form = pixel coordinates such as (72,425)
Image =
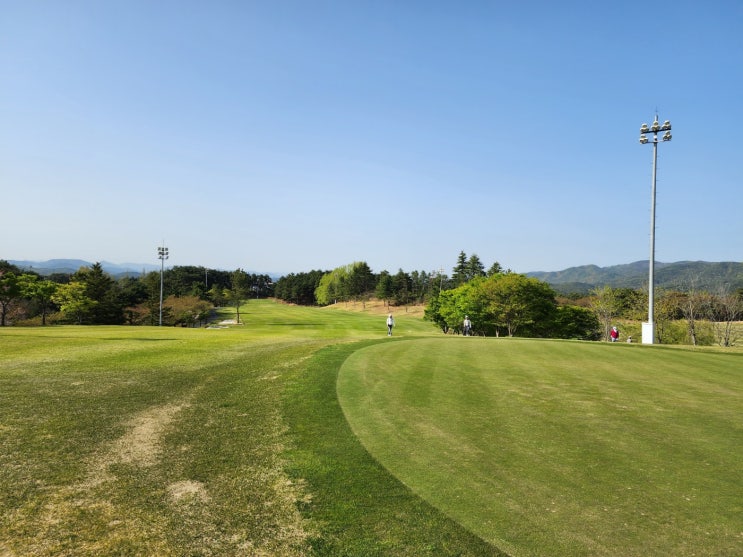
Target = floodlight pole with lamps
(162,255)
(648,329)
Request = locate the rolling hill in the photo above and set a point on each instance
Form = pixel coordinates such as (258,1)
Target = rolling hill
(681,275)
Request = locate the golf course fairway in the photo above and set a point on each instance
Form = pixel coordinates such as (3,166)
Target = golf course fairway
(557,447)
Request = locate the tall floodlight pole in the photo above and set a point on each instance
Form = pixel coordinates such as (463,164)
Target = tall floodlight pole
(162,255)
(648,329)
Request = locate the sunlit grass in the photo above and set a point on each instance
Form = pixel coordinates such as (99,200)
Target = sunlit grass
(232,441)
(561,448)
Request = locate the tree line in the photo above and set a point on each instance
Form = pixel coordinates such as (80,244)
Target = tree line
(92,296)
(501,302)
(497,300)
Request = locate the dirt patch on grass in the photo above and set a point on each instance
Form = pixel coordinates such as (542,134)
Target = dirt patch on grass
(376,307)
(139,446)
(188,490)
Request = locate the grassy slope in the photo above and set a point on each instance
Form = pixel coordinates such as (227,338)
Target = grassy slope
(561,448)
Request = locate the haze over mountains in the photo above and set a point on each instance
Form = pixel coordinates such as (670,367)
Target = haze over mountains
(681,275)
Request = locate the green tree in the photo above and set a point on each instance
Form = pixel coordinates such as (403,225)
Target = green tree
(73,301)
(495,269)
(218,295)
(240,290)
(475,268)
(574,322)
(299,288)
(333,286)
(10,292)
(360,280)
(40,291)
(385,289)
(460,271)
(103,290)
(401,288)
(666,310)
(605,306)
(519,303)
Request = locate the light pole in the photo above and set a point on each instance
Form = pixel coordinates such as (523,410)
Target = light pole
(162,255)
(648,329)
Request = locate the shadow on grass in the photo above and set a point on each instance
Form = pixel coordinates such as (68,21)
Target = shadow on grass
(357,507)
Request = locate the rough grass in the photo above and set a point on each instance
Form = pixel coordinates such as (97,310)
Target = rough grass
(159,441)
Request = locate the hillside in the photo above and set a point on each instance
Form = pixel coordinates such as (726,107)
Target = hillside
(681,275)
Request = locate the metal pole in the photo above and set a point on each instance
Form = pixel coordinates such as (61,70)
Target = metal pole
(651,274)
(648,329)
(162,266)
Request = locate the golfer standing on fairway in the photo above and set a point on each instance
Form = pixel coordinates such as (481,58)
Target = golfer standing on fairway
(390,324)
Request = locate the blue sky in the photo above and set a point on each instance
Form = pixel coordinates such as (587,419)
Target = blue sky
(286,136)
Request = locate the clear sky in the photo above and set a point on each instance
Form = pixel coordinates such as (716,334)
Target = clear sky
(285,136)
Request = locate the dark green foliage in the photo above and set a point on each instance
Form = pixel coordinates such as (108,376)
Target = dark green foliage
(299,288)
(573,322)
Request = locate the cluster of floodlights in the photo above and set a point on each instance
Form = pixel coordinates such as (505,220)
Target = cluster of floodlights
(655,129)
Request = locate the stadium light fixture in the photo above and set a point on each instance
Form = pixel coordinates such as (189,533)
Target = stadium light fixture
(648,329)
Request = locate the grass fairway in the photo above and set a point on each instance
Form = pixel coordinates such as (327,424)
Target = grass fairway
(560,448)
(170,442)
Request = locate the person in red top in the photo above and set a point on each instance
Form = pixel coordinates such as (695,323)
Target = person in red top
(614,334)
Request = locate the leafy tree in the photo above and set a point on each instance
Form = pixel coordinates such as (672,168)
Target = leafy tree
(631,303)
(432,312)
(509,302)
(73,301)
(575,322)
(41,291)
(10,292)
(187,311)
(517,302)
(333,286)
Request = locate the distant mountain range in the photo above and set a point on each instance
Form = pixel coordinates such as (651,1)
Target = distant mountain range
(682,275)
(68,266)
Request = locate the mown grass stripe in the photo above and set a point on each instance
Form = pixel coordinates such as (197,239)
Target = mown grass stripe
(358,507)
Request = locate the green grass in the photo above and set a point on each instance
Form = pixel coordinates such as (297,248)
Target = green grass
(165,441)
(560,448)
